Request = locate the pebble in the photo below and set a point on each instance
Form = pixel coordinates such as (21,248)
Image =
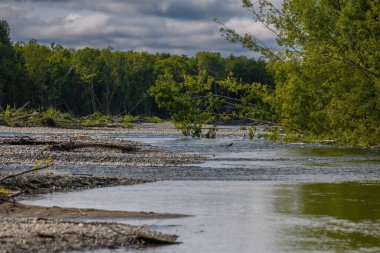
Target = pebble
(145,156)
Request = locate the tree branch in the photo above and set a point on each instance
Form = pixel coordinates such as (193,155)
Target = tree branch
(24,172)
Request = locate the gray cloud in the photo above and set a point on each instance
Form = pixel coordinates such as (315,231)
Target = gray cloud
(175,26)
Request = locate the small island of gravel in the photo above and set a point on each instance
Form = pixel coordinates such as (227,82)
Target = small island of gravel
(33,228)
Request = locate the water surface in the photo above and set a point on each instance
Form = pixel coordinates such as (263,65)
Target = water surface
(250,196)
(248,216)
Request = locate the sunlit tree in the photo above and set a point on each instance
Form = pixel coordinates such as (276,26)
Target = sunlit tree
(327,65)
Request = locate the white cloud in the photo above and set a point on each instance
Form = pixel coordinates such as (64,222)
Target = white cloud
(74,25)
(175,26)
(248,26)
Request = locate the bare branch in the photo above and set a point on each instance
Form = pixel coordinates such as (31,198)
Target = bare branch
(25,172)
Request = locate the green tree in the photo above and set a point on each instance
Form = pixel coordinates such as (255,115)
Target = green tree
(177,66)
(141,75)
(12,75)
(37,67)
(86,64)
(211,63)
(61,90)
(249,70)
(194,101)
(327,69)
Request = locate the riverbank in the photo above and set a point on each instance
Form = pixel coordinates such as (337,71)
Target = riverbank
(165,128)
(26,228)
(29,228)
(87,148)
(50,235)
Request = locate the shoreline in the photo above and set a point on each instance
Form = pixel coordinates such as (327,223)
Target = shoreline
(166,128)
(92,151)
(26,228)
(30,228)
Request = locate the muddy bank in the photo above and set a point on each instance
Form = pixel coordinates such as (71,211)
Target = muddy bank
(47,235)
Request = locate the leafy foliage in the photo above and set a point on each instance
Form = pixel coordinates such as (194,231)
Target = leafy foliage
(201,99)
(8,112)
(327,70)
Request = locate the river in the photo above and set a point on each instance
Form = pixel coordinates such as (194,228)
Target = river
(251,196)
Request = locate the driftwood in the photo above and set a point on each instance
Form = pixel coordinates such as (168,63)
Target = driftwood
(148,236)
(156,237)
(22,108)
(66,146)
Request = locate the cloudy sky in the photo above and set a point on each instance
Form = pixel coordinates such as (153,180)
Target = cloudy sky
(174,26)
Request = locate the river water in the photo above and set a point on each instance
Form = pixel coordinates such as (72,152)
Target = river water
(251,196)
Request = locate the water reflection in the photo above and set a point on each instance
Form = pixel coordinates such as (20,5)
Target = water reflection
(248,216)
(333,217)
(331,151)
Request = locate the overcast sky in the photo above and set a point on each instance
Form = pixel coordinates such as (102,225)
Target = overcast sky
(174,26)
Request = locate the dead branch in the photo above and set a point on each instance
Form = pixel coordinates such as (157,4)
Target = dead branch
(22,108)
(148,236)
(24,172)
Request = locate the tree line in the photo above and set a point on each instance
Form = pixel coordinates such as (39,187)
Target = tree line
(322,81)
(91,80)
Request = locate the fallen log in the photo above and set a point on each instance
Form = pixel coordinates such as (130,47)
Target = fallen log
(149,236)
(146,235)
(67,146)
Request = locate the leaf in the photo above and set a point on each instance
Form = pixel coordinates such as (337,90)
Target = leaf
(48,161)
(4,190)
(37,165)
